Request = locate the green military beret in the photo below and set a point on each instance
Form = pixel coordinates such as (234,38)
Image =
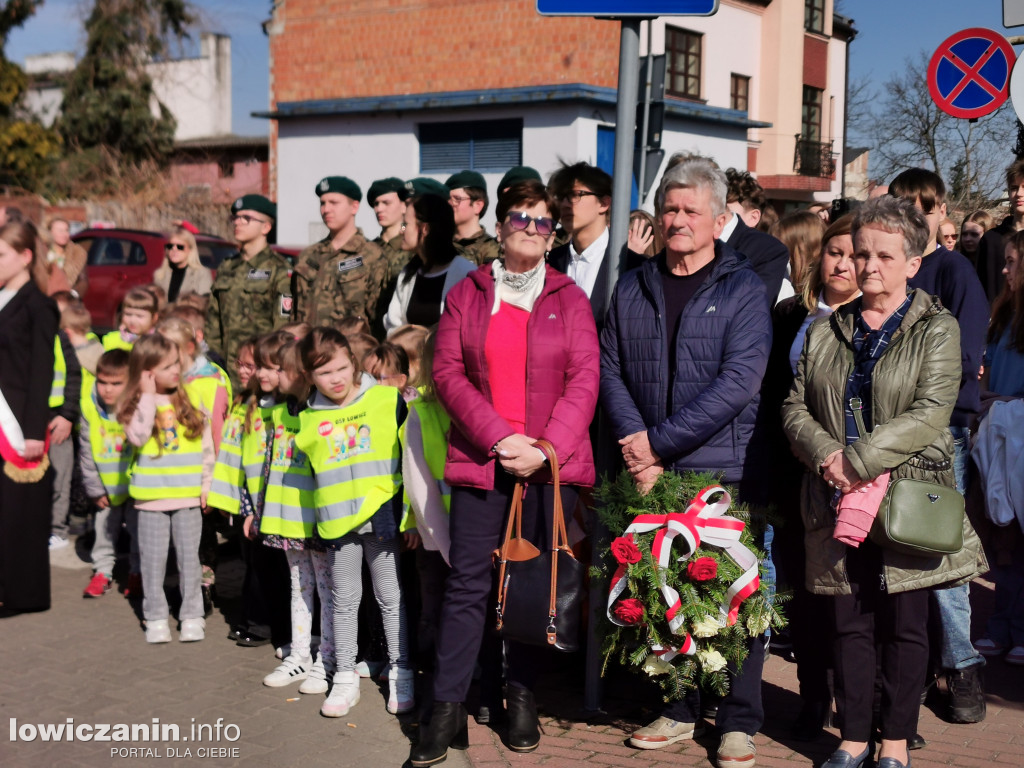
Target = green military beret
(257,203)
(464,179)
(421,185)
(343,185)
(516,175)
(383,186)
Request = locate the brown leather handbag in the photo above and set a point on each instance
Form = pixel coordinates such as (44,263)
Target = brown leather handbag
(540,594)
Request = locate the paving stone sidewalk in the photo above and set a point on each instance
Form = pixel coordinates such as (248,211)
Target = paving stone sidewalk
(87,660)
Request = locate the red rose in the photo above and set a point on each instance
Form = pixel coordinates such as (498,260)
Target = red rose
(629,611)
(702,569)
(625,551)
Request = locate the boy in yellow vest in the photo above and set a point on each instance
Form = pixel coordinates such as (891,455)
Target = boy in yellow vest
(104,458)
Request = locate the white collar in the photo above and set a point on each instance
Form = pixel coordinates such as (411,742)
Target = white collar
(592,252)
(729,228)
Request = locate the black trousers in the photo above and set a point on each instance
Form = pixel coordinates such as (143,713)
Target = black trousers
(478,520)
(266,592)
(874,628)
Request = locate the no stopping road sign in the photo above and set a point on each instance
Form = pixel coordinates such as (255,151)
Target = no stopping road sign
(969,73)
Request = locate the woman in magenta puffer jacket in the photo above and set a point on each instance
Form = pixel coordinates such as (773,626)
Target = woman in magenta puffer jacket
(516,360)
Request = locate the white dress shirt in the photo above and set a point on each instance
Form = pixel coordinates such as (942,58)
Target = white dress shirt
(584,267)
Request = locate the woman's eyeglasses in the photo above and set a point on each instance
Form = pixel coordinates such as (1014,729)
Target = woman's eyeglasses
(519,221)
(174,247)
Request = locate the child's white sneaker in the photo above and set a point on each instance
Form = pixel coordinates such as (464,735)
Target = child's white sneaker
(371,669)
(291,670)
(316,680)
(158,631)
(192,630)
(344,695)
(401,690)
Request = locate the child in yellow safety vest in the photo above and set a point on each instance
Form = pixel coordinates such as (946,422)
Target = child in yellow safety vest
(170,480)
(424,447)
(104,458)
(210,384)
(287,521)
(349,432)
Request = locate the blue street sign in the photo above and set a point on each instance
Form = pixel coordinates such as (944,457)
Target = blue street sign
(619,8)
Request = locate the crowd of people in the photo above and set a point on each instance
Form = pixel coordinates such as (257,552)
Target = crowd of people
(360,421)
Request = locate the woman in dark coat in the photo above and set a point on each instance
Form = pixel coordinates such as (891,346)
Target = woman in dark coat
(28,327)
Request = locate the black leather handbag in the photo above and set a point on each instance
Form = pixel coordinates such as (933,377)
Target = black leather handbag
(540,594)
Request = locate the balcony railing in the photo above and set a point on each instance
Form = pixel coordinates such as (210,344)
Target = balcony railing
(813,158)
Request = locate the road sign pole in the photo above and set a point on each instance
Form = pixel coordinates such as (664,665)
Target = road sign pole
(622,188)
(625,134)
(641,178)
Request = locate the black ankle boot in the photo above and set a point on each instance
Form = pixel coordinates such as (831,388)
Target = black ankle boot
(523,726)
(447,728)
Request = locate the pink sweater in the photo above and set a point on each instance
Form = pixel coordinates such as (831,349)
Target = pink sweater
(140,429)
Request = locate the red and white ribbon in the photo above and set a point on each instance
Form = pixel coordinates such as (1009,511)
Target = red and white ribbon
(701,522)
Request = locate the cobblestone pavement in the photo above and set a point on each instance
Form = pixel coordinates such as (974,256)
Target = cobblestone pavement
(87,660)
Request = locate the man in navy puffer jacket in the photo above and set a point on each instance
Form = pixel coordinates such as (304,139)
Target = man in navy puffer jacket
(683,353)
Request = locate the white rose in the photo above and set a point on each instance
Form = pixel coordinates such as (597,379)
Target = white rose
(757,624)
(706,627)
(712,661)
(655,665)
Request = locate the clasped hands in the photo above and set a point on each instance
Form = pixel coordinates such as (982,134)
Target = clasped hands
(641,460)
(519,456)
(839,473)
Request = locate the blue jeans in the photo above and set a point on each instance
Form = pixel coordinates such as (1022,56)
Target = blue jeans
(954,604)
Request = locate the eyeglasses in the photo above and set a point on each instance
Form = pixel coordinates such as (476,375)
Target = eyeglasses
(519,221)
(246,218)
(577,194)
(246,366)
(456,201)
(174,247)
(386,376)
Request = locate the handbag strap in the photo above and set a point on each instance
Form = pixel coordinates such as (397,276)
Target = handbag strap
(559,539)
(515,520)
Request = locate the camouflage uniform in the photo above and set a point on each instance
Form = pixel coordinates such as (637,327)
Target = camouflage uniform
(348,282)
(481,248)
(248,298)
(397,258)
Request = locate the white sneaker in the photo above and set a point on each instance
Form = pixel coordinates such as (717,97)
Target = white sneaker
(291,670)
(316,680)
(371,669)
(401,695)
(344,695)
(158,631)
(57,542)
(192,630)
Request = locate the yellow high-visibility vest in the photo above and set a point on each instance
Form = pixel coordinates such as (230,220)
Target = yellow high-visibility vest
(289,506)
(356,459)
(60,375)
(172,468)
(228,476)
(111,451)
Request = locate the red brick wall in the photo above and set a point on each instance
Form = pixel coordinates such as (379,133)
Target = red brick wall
(331,49)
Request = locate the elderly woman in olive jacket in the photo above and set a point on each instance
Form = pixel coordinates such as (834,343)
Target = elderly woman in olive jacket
(879,595)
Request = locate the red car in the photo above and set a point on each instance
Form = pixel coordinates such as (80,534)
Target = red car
(121,259)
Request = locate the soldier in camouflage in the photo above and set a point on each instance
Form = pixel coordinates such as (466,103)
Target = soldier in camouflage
(468,197)
(387,198)
(344,273)
(252,293)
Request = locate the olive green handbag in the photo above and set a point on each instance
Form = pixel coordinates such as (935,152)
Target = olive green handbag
(917,517)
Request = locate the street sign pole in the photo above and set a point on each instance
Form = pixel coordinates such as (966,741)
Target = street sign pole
(625,136)
(622,187)
(641,178)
